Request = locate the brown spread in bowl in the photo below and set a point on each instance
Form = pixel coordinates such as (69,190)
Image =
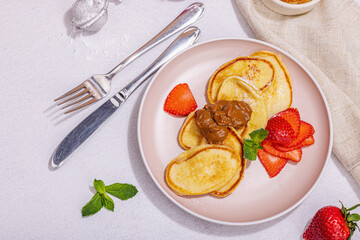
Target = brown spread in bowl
(214,119)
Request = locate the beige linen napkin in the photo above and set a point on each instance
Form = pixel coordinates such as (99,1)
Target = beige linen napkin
(327,41)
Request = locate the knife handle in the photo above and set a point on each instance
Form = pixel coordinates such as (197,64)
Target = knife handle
(183,41)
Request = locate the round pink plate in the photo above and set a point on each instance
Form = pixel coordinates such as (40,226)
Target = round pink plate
(258,198)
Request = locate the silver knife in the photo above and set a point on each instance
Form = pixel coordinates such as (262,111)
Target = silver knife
(88,126)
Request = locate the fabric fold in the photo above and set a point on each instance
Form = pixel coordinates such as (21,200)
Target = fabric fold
(326,41)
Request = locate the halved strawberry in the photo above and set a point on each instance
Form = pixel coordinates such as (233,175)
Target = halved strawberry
(280,131)
(180,101)
(307,142)
(272,164)
(294,155)
(306,130)
(292,116)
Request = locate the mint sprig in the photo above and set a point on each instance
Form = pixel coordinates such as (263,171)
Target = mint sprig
(254,143)
(101,199)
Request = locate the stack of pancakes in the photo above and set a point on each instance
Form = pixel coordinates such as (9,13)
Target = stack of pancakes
(262,81)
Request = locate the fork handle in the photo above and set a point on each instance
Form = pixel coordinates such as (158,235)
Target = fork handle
(185,19)
(183,41)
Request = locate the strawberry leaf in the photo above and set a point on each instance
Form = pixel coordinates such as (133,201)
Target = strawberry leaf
(353,207)
(353,217)
(350,219)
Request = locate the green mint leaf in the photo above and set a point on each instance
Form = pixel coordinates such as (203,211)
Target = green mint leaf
(252,145)
(257,145)
(249,143)
(107,202)
(250,154)
(99,186)
(93,206)
(250,149)
(123,191)
(259,135)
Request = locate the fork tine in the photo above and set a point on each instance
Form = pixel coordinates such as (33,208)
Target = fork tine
(83,105)
(78,101)
(73,97)
(70,92)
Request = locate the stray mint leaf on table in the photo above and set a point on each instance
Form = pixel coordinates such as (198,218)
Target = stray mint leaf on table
(93,206)
(123,191)
(99,186)
(107,202)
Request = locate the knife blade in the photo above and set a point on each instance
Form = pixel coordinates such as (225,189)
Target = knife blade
(91,123)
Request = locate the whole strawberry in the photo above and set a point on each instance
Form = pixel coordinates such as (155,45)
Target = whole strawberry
(332,223)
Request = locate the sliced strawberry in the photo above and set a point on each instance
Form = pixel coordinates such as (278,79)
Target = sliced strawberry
(272,164)
(280,131)
(307,142)
(306,130)
(292,116)
(180,101)
(294,155)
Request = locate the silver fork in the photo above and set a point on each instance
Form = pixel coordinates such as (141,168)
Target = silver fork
(92,122)
(98,86)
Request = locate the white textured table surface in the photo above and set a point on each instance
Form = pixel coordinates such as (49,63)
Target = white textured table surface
(40,59)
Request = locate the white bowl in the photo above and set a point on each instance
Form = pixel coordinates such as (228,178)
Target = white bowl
(288,8)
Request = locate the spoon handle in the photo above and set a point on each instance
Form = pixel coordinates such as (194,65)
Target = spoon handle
(191,14)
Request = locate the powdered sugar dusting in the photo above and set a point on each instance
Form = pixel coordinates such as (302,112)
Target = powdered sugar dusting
(92,47)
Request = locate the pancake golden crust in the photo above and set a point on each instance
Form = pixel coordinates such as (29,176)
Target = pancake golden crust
(278,94)
(202,169)
(233,183)
(236,143)
(190,135)
(233,140)
(257,70)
